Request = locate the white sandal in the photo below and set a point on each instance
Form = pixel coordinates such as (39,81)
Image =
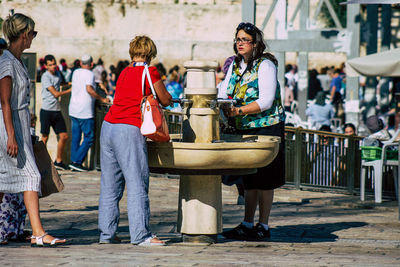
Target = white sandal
(147,242)
(39,241)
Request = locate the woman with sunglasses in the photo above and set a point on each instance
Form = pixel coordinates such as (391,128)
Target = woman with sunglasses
(252,81)
(18,170)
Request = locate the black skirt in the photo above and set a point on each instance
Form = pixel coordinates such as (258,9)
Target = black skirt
(273,175)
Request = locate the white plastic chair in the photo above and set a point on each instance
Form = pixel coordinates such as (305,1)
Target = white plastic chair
(295,119)
(378,167)
(336,124)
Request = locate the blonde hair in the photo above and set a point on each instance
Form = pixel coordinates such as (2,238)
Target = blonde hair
(142,46)
(17,24)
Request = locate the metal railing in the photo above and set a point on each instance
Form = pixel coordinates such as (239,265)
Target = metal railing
(314,159)
(174,121)
(322,159)
(317,159)
(101,110)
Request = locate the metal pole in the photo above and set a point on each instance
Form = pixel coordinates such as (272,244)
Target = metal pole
(386,18)
(304,14)
(280,56)
(302,84)
(297,159)
(281,33)
(352,83)
(350,164)
(249,11)
(372,47)
(280,20)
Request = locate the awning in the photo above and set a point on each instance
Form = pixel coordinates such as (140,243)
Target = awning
(386,64)
(371,2)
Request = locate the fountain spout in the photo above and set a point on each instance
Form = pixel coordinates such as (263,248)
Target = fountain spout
(181,101)
(219,101)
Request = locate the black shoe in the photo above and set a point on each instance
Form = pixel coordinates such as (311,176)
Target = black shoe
(260,234)
(60,166)
(77,167)
(240,232)
(114,240)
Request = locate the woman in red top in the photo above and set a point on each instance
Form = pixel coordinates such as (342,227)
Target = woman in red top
(123,151)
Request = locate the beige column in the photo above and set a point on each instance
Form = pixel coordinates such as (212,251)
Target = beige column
(200,199)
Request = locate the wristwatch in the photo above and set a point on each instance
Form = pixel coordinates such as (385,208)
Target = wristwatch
(240,112)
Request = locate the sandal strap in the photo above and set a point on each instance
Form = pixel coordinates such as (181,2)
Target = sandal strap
(39,239)
(53,242)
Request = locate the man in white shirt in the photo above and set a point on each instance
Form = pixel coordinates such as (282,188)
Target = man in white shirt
(81,112)
(292,79)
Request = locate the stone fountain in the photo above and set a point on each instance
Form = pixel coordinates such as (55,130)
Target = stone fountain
(201,156)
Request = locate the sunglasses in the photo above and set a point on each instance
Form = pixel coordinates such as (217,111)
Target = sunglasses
(246,26)
(34,33)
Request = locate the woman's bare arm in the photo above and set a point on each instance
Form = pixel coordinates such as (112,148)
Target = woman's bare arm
(162,94)
(5,96)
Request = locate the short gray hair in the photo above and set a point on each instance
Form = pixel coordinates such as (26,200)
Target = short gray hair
(86,60)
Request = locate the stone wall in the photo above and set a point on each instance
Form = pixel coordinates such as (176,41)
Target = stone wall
(181,32)
(199,29)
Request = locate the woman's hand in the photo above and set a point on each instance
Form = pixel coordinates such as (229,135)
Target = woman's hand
(12,147)
(234,111)
(105,100)
(252,108)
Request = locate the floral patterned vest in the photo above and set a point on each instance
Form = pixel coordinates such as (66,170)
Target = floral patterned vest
(245,90)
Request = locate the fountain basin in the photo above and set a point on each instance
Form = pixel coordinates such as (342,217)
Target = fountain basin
(229,156)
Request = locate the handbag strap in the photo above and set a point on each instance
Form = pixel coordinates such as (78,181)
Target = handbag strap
(146,73)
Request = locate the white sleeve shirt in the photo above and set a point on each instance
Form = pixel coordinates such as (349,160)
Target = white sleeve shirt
(267,83)
(81,104)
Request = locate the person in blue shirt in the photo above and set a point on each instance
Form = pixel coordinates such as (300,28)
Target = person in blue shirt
(320,112)
(335,87)
(175,90)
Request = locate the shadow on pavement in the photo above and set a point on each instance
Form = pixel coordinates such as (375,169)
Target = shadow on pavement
(309,233)
(87,208)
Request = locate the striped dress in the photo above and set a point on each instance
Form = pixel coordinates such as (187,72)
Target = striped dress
(21,173)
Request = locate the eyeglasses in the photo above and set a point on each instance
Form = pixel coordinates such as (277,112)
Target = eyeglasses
(246,26)
(243,41)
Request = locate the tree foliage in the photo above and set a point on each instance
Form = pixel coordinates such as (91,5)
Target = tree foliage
(341,12)
(122,9)
(88,15)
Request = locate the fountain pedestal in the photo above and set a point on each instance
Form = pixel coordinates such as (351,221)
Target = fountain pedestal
(200,198)
(200,206)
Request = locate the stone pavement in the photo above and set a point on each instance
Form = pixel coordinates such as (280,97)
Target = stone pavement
(308,229)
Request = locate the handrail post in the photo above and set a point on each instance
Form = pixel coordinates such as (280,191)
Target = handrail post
(350,164)
(297,159)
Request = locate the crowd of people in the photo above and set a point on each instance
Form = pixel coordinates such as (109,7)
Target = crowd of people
(325,92)
(326,97)
(106,79)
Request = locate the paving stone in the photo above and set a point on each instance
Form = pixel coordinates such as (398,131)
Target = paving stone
(308,229)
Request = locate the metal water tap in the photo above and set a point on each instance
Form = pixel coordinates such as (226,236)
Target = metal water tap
(181,101)
(216,102)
